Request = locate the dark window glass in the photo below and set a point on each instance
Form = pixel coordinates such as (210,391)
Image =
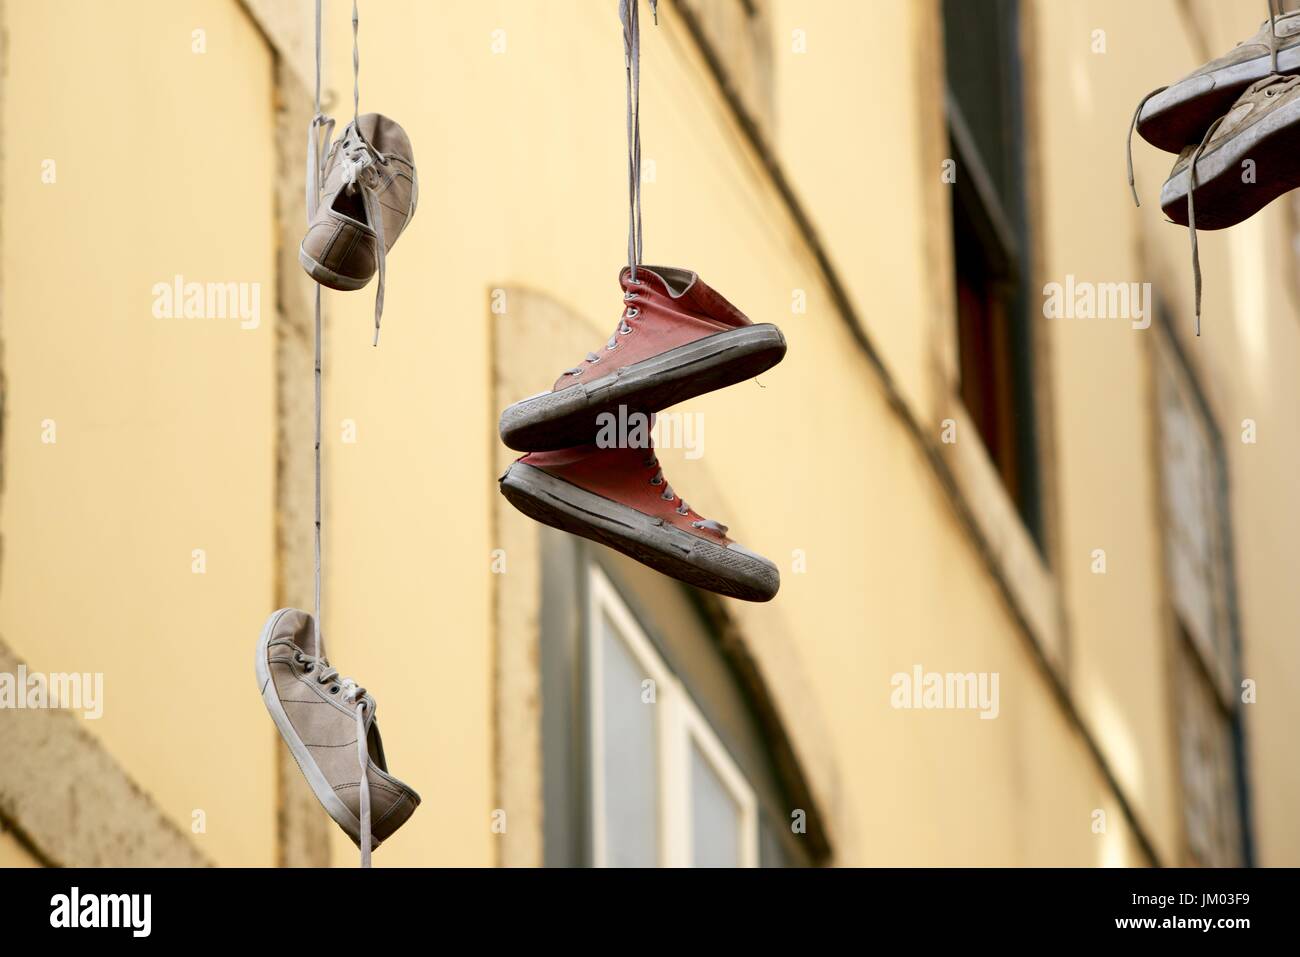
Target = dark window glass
(991,241)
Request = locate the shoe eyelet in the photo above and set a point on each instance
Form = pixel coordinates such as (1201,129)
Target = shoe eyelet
(611,348)
(298,657)
(629,296)
(309,668)
(667,497)
(575,373)
(595,360)
(656,481)
(334,690)
(626,332)
(683,511)
(633,312)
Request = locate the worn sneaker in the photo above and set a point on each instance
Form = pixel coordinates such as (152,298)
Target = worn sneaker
(1172,117)
(368,195)
(619,497)
(677,338)
(1206,190)
(328,723)
(1263,126)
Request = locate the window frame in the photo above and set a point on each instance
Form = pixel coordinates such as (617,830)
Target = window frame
(678,725)
(1217,670)
(1005,228)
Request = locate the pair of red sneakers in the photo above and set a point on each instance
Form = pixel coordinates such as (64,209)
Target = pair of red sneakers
(676,339)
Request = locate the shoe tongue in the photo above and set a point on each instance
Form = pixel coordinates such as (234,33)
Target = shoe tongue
(374,743)
(643,275)
(304,634)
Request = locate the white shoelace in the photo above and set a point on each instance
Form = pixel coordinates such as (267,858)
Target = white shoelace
(316,154)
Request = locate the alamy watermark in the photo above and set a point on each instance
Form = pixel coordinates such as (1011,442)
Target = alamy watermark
(639,430)
(75,691)
(179,299)
(133,912)
(1075,299)
(952,691)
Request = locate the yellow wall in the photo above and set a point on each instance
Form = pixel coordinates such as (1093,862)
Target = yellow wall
(521,187)
(13,854)
(166,427)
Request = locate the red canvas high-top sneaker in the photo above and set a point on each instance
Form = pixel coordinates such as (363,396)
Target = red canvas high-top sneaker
(677,338)
(620,498)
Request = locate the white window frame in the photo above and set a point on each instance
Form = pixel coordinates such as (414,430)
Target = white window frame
(678,725)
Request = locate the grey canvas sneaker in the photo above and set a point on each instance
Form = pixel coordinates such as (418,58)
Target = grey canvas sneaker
(367,195)
(1207,188)
(1263,126)
(328,723)
(1173,116)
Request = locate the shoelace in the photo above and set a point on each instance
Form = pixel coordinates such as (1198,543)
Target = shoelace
(629,14)
(316,154)
(1273,13)
(361,168)
(668,495)
(1131,128)
(1274,78)
(623,329)
(353,693)
(361,163)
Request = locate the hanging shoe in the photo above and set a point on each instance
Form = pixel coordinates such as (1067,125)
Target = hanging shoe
(328,723)
(1206,188)
(620,498)
(1179,114)
(368,194)
(676,339)
(1263,126)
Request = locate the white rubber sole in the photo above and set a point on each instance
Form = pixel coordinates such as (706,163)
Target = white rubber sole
(328,277)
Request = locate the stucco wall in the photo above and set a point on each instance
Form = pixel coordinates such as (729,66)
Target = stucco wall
(168,442)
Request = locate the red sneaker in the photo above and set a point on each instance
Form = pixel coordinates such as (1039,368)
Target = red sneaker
(677,338)
(620,498)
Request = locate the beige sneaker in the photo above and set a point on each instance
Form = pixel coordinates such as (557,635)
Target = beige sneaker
(1173,116)
(328,723)
(1205,189)
(368,194)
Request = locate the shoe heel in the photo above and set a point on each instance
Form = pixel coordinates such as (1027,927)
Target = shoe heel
(328,277)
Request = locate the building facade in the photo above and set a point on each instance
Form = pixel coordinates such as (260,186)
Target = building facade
(1037,603)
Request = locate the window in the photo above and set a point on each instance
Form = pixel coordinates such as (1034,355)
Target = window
(664,790)
(654,751)
(1199,575)
(990,240)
